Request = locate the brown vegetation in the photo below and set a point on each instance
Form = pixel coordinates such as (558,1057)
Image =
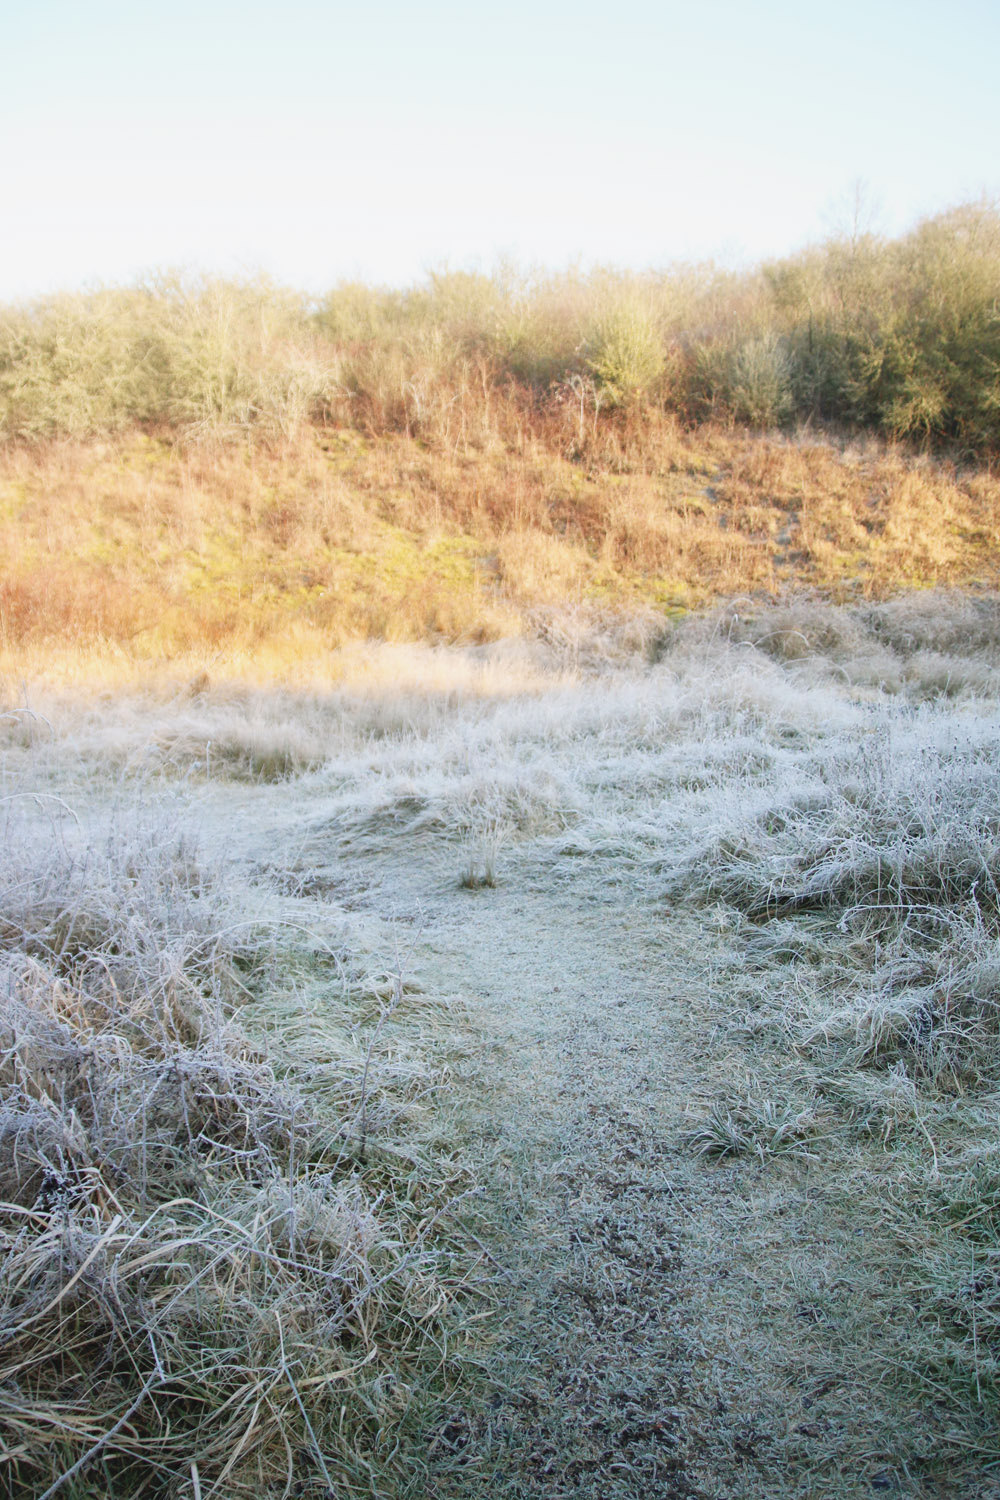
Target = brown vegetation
(202,467)
(144,549)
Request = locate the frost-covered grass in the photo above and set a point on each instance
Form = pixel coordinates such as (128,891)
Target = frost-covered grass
(200,1130)
(223,1263)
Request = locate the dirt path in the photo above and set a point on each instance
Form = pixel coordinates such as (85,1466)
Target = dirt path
(668,1328)
(618,1368)
(578,1109)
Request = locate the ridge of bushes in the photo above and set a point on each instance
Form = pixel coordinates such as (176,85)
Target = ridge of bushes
(896,336)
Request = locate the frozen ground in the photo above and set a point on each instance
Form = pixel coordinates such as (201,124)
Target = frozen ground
(719,930)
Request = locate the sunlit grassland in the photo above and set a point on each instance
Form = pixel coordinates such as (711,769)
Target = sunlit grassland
(143,550)
(228,468)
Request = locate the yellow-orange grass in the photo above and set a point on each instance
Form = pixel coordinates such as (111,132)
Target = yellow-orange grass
(148,551)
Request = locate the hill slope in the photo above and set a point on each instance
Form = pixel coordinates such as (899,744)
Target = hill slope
(145,550)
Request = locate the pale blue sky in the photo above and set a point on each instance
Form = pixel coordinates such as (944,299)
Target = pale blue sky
(322,140)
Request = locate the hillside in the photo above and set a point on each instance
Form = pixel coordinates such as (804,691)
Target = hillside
(197,467)
(143,549)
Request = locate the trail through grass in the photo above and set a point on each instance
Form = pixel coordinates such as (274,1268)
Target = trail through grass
(638,1017)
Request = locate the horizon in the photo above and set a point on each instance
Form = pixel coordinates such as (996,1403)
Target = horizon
(379,147)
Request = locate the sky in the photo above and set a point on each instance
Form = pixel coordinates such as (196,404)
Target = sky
(317,140)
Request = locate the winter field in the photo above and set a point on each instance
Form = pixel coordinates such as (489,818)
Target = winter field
(556,1067)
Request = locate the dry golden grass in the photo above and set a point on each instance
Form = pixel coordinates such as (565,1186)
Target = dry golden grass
(146,550)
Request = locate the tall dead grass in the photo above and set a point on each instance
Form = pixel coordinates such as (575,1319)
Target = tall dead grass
(202,469)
